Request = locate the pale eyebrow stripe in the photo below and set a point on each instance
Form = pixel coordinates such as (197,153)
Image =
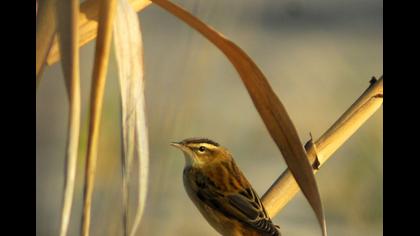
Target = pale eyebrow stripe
(207,145)
(200,141)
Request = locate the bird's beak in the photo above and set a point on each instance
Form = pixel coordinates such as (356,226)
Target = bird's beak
(175,144)
(180,146)
(188,153)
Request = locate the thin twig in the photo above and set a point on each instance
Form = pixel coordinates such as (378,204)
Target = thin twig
(285,187)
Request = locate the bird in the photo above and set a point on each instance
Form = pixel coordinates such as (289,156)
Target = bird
(221,192)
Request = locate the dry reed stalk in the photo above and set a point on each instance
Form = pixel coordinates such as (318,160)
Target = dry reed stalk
(285,187)
(107,11)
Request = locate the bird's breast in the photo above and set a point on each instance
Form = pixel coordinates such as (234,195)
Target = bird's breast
(193,182)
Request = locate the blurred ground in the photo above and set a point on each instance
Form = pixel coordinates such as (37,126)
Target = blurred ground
(318,55)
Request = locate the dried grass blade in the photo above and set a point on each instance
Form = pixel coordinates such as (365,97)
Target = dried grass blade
(67,29)
(268,105)
(129,54)
(45,29)
(107,11)
(88,24)
(285,187)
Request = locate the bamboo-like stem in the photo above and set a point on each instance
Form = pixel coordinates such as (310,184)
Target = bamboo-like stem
(103,45)
(285,187)
(69,41)
(88,25)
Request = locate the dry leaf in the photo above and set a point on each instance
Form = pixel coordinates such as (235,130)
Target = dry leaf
(107,11)
(268,105)
(129,54)
(67,28)
(88,25)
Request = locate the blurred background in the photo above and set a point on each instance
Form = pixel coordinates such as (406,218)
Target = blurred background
(318,55)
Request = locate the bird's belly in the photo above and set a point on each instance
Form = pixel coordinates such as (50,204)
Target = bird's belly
(211,215)
(222,224)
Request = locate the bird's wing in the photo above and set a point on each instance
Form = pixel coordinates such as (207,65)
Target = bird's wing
(244,206)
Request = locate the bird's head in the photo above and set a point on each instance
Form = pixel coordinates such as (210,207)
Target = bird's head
(200,152)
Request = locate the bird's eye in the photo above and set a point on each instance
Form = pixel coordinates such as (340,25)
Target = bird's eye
(201,149)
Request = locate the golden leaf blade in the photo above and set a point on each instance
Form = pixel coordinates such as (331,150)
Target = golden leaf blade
(107,11)
(285,187)
(88,25)
(268,105)
(68,31)
(129,54)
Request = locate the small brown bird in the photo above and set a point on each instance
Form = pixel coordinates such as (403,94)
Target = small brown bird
(221,192)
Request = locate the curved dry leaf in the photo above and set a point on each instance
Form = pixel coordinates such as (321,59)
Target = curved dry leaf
(67,29)
(268,105)
(107,11)
(88,25)
(129,54)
